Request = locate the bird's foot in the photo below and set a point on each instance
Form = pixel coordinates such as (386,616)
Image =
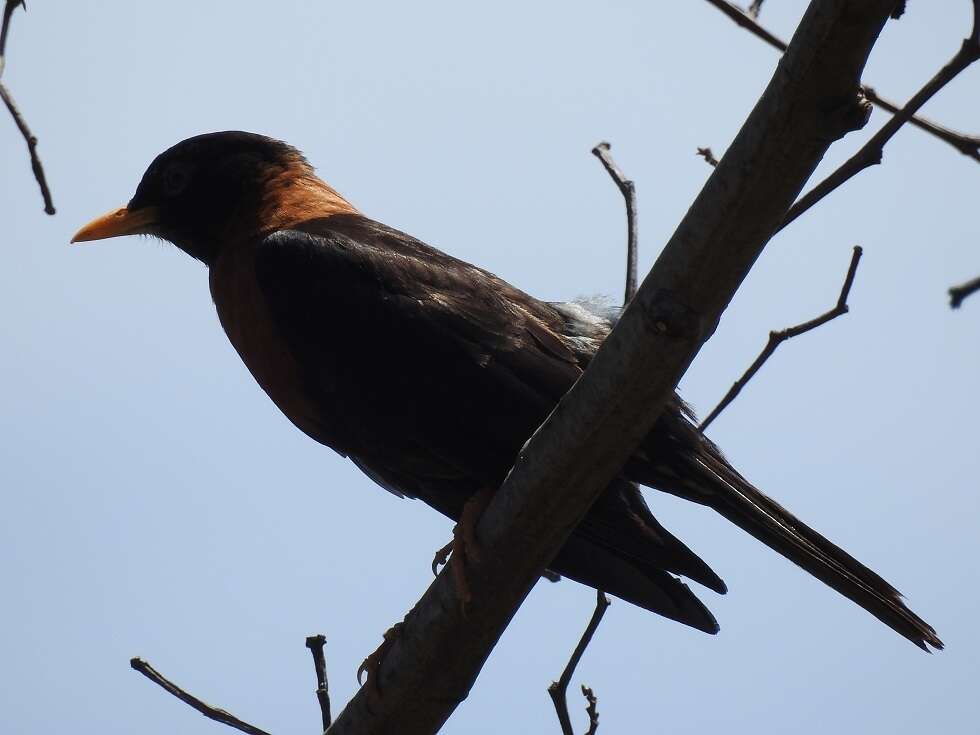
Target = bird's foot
(372,663)
(464,547)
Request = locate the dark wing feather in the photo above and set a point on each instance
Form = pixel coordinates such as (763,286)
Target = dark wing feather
(444,363)
(434,373)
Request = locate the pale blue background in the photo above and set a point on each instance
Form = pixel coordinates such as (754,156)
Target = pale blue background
(156,503)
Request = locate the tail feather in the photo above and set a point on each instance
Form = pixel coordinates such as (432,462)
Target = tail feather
(641,584)
(621,522)
(678,460)
(743,504)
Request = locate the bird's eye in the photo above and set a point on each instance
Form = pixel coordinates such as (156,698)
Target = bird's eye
(175,179)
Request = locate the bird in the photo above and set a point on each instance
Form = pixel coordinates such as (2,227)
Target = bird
(430,374)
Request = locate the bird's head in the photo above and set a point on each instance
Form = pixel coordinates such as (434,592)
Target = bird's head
(217,189)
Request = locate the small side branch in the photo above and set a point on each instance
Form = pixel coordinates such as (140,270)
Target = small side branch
(628,190)
(957,294)
(871,152)
(968,145)
(591,709)
(316,643)
(559,689)
(213,713)
(777,338)
(8,100)
(708,156)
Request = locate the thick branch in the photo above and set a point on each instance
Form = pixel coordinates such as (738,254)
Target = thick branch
(558,691)
(628,190)
(777,338)
(968,145)
(213,713)
(811,101)
(316,643)
(8,100)
(957,294)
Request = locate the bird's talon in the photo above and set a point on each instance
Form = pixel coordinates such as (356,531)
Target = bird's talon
(441,557)
(369,667)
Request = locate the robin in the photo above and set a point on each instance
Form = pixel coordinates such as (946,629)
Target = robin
(430,374)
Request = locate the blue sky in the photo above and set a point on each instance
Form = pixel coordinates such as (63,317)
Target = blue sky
(155,502)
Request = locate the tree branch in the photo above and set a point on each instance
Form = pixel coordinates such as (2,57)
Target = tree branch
(708,155)
(594,429)
(591,709)
(777,338)
(628,190)
(8,100)
(559,689)
(213,713)
(316,643)
(871,152)
(957,294)
(968,145)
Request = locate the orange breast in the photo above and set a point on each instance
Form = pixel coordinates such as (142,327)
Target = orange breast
(245,317)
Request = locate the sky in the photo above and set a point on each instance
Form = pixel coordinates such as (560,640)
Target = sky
(157,504)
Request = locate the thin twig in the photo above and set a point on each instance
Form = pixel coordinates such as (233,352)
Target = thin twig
(214,713)
(871,152)
(628,190)
(591,709)
(708,156)
(968,145)
(559,689)
(777,338)
(746,21)
(316,643)
(957,294)
(8,100)
(755,8)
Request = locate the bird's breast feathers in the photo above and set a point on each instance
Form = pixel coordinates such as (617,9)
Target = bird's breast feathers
(244,315)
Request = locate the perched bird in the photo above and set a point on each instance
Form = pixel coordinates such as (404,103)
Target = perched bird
(430,373)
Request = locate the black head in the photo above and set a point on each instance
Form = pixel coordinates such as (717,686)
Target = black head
(202,190)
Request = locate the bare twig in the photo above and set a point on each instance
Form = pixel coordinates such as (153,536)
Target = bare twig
(777,338)
(871,152)
(8,100)
(755,8)
(213,713)
(708,156)
(628,190)
(957,294)
(968,145)
(748,22)
(559,689)
(591,709)
(315,643)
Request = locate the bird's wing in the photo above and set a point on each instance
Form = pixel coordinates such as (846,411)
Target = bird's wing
(414,354)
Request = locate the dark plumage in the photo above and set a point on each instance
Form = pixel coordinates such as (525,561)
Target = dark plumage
(430,373)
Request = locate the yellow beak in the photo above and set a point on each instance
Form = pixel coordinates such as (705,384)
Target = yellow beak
(119,222)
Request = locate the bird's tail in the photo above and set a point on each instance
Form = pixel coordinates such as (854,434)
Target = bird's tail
(708,478)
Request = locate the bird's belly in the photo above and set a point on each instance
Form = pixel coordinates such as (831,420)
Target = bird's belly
(245,317)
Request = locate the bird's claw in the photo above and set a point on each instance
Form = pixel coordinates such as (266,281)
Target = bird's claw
(441,557)
(369,667)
